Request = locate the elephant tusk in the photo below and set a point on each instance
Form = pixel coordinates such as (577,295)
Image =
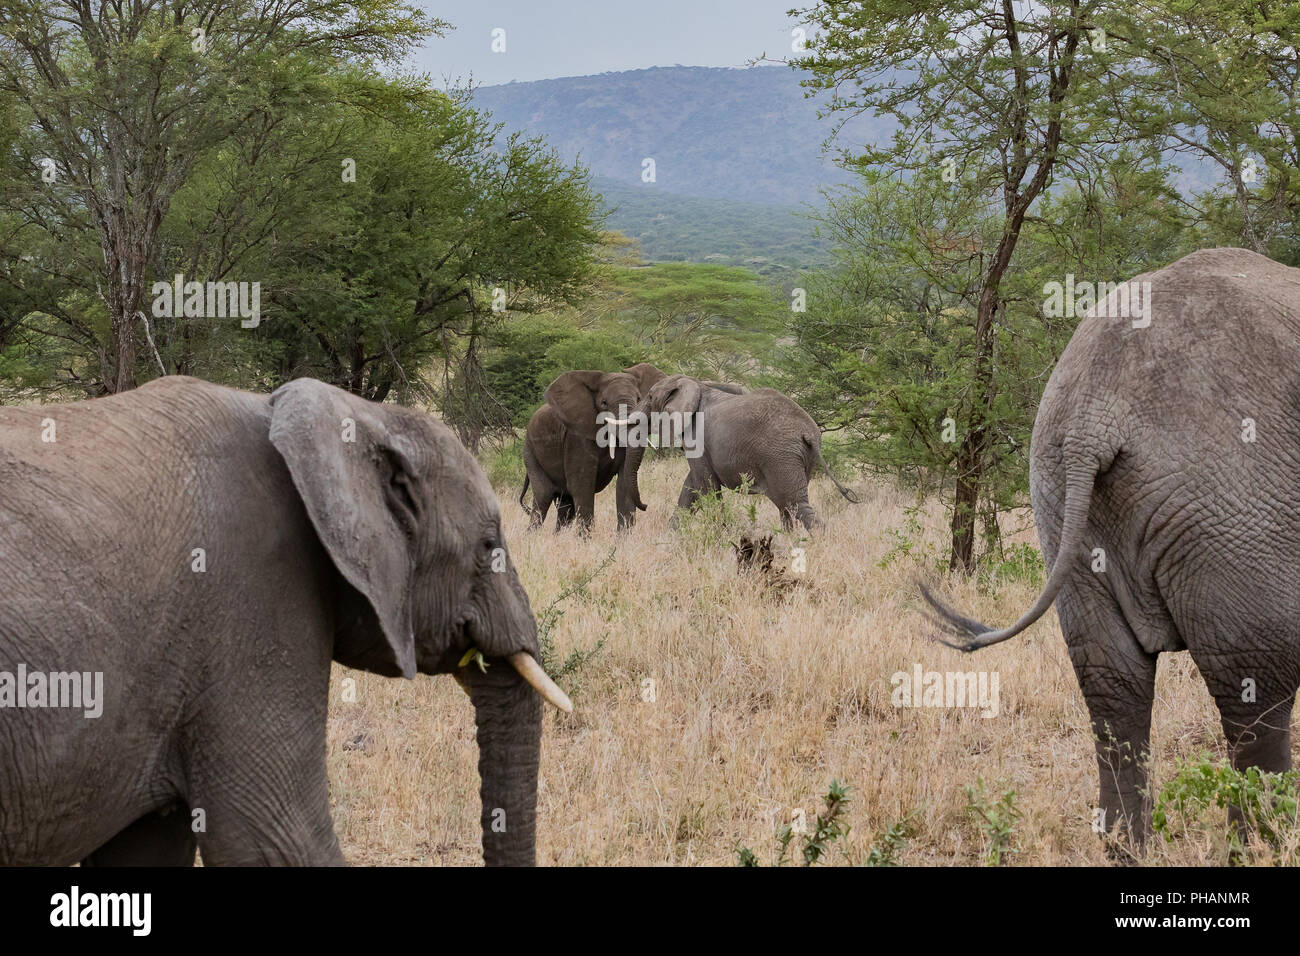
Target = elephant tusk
(463,686)
(532,672)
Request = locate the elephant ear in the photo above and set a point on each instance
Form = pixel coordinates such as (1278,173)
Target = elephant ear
(359,489)
(646,375)
(573,396)
(681,394)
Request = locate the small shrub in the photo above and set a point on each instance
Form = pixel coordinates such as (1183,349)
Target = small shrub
(829,829)
(1019,562)
(721,518)
(884,849)
(997,820)
(1268,803)
(559,670)
(907,543)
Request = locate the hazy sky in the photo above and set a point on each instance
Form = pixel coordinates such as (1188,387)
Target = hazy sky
(549,38)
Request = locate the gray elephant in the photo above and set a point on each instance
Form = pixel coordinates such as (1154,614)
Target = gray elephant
(187,560)
(761,435)
(564,461)
(1163,473)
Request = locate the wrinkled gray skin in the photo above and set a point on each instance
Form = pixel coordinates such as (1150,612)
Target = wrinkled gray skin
(376,553)
(1137,449)
(564,464)
(761,434)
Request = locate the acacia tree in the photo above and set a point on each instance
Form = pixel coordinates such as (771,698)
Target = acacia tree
(123,99)
(393,230)
(707,320)
(1220,84)
(992,97)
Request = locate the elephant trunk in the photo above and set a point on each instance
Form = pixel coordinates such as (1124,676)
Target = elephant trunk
(632,466)
(508,715)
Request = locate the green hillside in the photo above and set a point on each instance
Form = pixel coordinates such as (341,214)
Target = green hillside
(770,240)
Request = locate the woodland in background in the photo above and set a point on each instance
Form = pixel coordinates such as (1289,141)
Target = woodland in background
(410,249)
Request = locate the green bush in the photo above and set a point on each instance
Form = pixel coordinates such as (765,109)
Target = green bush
(884,850)
(829,829)
(523,356)
(997,820)
(1018,562)
(504,465)
(720,519)
(1268,803)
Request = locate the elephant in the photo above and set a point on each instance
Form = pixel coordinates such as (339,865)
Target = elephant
(205,553)
(1163,462)
(563,460)
(763,435)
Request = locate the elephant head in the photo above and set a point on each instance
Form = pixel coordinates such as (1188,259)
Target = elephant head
(586,399)
(413,528)
(646,375)
(672,393)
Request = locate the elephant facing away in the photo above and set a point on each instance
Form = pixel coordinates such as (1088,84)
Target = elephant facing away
(565,464)
(209,552)
(1163,471)
(762,435)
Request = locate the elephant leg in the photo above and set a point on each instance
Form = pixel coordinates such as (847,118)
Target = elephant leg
(798,509)
(1117,678)
(1255,694)
(239,833)
(791,499)
(563,512)
(584,506)
(580,468)
(540,507)
(261,783)
(164,838)
(543,496)
(1261,739)
(696,486)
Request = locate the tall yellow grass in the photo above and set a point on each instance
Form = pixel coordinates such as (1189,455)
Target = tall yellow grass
(761,699)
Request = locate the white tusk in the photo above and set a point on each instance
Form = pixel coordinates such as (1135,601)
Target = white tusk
(532,672)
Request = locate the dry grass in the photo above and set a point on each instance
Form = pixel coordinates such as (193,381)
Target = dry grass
(761,699)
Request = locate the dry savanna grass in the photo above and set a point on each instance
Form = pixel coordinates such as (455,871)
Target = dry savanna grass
(762,696)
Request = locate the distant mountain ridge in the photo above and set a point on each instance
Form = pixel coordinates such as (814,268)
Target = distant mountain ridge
(748,135)
(738,155)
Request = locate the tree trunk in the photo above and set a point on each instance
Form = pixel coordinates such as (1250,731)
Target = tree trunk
(970,464)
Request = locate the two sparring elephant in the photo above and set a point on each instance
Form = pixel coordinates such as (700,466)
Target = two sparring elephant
(1167,444)
(760,437)
(203,554)
(566,463)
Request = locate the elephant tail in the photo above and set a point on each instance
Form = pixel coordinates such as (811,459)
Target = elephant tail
(523,492)
(967,634)
(849,496)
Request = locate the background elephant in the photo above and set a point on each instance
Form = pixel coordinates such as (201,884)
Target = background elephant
(564,464)
(762,434)
(1163,472)
(209,551)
